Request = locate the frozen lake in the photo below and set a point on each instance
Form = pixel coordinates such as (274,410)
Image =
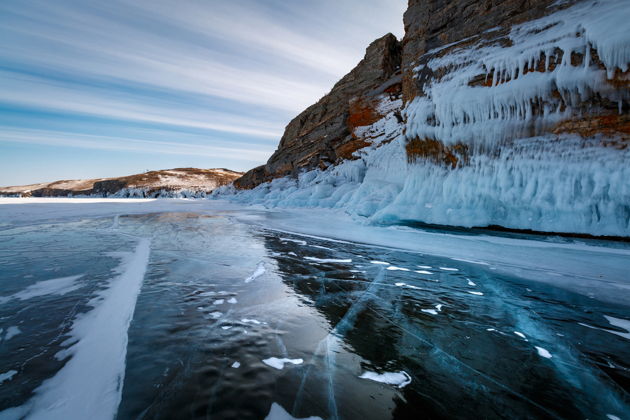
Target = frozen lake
(169,309)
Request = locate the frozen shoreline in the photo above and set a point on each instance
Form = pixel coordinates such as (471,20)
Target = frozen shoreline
(592,268)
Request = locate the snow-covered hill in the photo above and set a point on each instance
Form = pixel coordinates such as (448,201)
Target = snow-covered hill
(180,182)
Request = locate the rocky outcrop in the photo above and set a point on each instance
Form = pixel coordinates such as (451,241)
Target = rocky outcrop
(164,183)
(326,132)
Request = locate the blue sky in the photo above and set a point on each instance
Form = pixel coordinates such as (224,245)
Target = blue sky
(107,88)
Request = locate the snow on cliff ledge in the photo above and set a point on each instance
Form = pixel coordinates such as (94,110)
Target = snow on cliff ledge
(519,170)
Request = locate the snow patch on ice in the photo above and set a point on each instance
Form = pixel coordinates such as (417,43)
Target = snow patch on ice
(278,363)
(11,332)
(328,260)
(394,268)
(399,379)
(89,385)
(59,286)
(260,270)
(7,376)
(278,413)
(543,352)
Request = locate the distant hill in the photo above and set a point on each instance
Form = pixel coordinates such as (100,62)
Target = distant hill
(179,182)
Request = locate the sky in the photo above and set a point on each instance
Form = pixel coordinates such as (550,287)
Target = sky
(92,88)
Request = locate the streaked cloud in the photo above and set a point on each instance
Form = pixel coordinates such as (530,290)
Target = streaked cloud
(236,69)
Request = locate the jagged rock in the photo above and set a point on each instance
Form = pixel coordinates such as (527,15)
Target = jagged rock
(323,133)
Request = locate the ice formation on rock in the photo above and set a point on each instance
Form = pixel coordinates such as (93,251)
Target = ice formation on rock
(524,130)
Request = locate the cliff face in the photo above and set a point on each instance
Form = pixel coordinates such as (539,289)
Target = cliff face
(511,113)
(324,133)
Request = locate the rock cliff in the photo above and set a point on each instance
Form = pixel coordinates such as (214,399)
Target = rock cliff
(511,113)
(324,133)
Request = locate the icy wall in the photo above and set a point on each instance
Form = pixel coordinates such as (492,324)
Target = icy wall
(525,127)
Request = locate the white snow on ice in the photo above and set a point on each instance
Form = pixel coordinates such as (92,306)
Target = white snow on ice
(278,363)
(328,260)
(543,352)
(59,286)
(11,332)
(89,385)
(278,413)
(7,376)
(399,379)
(260,270)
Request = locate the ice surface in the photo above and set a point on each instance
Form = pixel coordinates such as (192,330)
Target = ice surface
(429,311)
(236,365)
(400,379)
(278,363)
(11,332)
(90,383)
(232,300)
(218,302)
(423,272)
(278,413)
(379,262)
(260,270)
(6,376)
(215,315)
(543,352)
(59,286)
(251,321)
(476,293)
(448,269)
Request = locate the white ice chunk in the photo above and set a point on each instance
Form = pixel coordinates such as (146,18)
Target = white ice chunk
(236,365)
(215,315)
(476,293)
(278,413)
(520,334)
(6,376)
(328,260)
(543,352)
(278,363)
(260,270)
(394,268)
(425,267)
(423,272)
(12,332)
(429,311)
(232,300)
(471,283)
(448,269)
(297,241)
(399,379)
(218,302)
(379,262)
(251,321)
(439,307)
(624,324)
(226,327)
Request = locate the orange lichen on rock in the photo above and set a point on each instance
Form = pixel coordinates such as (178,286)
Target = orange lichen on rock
(437,152)
(612,125)
(362,113)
